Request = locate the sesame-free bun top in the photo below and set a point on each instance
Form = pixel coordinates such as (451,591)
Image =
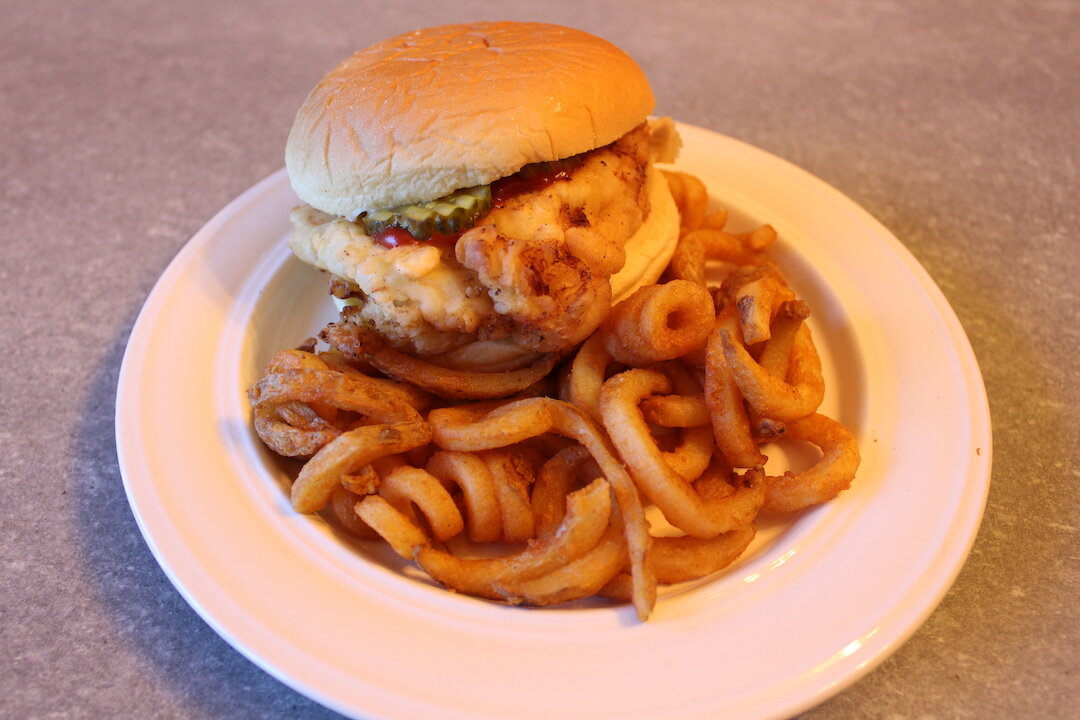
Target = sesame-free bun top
(419,115)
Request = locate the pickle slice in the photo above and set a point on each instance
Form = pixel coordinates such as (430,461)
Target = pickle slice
(448,215)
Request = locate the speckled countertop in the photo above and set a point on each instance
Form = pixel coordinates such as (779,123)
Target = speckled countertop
(124,126)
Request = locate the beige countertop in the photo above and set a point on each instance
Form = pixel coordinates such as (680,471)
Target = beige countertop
(126,125)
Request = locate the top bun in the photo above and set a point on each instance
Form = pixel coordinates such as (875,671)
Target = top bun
(417,116)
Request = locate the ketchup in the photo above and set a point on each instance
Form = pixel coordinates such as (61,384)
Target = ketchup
(532,178)
(393,237)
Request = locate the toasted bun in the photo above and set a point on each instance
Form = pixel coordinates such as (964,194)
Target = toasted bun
(649,250)
(417,116)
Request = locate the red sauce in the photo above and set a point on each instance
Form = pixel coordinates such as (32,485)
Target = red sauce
(393,237)
(532,178)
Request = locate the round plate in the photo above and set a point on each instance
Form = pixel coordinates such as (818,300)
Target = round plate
(818,600)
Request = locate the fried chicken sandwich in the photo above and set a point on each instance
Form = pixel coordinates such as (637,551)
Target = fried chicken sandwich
(481,194)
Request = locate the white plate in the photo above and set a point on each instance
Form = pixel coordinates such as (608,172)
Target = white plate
(818,601)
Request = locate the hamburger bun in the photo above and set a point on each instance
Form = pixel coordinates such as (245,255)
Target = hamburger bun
(420,115)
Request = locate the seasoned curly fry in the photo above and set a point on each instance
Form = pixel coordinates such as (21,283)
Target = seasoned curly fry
(691,198)
(580,578)
(682,504)
(482,426)
(469,472)
(679,559)
(774,397)
(511,479)
(342,502)
(553,484)
(658,323)
(832,474)
(355,393)
(775,356)
(348,452)
(587,515)
(758,303)
(731,425)
(406,486)
(587,374)
(691,455)
(697,248)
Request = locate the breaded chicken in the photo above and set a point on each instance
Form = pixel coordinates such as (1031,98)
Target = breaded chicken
(546,256)
(535,269)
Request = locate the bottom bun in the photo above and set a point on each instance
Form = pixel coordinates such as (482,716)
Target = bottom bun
(649,250)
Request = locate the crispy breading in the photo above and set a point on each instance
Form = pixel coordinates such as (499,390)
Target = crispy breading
(545,256)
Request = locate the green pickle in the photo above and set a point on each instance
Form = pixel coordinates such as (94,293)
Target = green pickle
(448,215)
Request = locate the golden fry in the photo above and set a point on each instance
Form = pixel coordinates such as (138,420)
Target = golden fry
(696,514)
(406,487)
(580,578)
(679,559)
(483,426)
(348,452)
(731,425)
(554,483)
(587,374)
(587,514)
(691,198)
(758,303)
(483,513)
(773,397)
(832,474)
(658,323)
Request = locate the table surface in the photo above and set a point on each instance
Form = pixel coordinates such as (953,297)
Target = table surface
(132,123)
